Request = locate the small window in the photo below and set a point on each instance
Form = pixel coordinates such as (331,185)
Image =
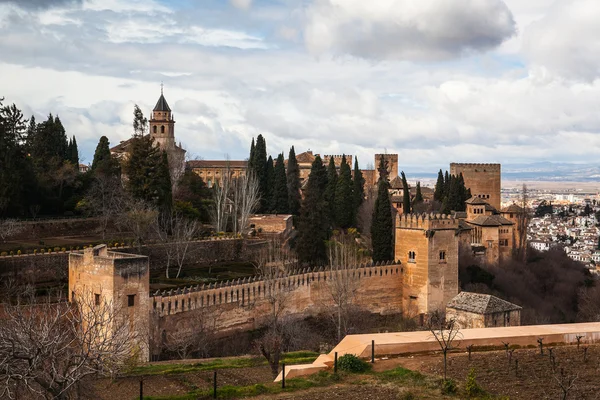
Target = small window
(412,256)
(155,130)
(130,300)
(97,299)
(442,256)
(162,129)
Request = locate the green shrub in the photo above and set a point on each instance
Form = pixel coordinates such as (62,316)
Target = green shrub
(351,363)
(12,253)
(18,252)
(57,249)
(3,254)
(449,386)
(34,251)
(472,388)
(63,249)
(43,251)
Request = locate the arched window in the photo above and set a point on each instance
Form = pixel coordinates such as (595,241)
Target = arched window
(155,129)
(162,129)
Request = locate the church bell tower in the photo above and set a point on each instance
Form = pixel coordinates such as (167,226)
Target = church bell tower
(162,124)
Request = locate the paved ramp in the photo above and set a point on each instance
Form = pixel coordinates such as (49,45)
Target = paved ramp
(397,343)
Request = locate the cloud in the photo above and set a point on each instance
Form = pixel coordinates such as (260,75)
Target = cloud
(566,41)
(41,4)
(407,29)
(242,4)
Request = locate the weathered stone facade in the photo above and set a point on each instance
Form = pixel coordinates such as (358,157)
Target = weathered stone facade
(427,247)
(484,180)
(119,279)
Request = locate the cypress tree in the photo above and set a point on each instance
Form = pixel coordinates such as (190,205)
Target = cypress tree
(30,135)
(293,184)
(259,164)
(418,195)
(270,179)
(60,139)
(344,201)
(280,191)
(405,195)
(74,152)
(164,194)
(465,194)
(332,178)
(446,185)
(142,169)
(358,190)
(104,163)
(313,229)
(382,235)
(251,158)
(438,194)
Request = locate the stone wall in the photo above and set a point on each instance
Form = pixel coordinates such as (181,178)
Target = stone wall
(60,227)
(484,180)
(244,305)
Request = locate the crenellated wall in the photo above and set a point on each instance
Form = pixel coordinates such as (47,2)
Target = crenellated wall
(244,304)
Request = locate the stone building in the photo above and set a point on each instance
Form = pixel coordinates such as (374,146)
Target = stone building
(484,180)
(475,310)
(427,248)
(162,131)
(121,280)
(212,171)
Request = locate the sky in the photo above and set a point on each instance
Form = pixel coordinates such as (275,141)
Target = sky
(436,81)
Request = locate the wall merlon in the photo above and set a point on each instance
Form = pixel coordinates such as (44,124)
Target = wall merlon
(473,166)
(426,221)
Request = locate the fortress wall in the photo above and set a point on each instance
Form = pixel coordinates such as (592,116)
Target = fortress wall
(244,304)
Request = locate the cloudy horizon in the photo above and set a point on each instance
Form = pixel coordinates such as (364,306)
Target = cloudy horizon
(508,81)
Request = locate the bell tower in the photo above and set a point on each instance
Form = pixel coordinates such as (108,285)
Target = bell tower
(162,124)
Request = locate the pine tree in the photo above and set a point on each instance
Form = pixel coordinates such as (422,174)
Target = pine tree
(313,229)
(30,135)
(270,175)
(280,191)
(405,195)
(140,123)
(332,178)
(438,194)
(293,184)
(344,201)
(358,191)
(382,235)
(102,153)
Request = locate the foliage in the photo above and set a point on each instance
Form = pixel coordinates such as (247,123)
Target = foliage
(438,194)
(472,388)
(293,183)
(343,199)
(270,177)
(279,200)
(258,164)
(358,191)
(351,363)
(329,194)
(382,235)
(313,226)
(449,387)
(544,208)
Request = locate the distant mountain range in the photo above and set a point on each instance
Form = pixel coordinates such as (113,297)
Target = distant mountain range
(542,171)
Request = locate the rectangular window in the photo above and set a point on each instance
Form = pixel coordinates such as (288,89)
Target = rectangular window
(442,256)
(130,300)
(97,299)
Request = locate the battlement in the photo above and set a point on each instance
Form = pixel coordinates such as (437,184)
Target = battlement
(426,221)
(389,157)
(246,291)
(456,168)
(337,159)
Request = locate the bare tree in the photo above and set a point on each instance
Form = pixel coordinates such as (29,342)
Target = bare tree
(246,199)
(446,333)
(343,282)
(47,348)
(175,232)
(140,218)
(195,340)
(272,266)
(565,380)
(221,210)
(105,199)
(9,227)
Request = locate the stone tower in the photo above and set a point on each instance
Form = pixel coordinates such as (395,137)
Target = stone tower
(392,160)
(484,180)
(427,246)
(162,124)
(120,280)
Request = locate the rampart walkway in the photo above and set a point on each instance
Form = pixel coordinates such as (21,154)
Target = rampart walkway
(396,343)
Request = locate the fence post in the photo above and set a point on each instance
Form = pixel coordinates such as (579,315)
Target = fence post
(215,384)
(142,389)
(283,375)
(372,351)
(335,363)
